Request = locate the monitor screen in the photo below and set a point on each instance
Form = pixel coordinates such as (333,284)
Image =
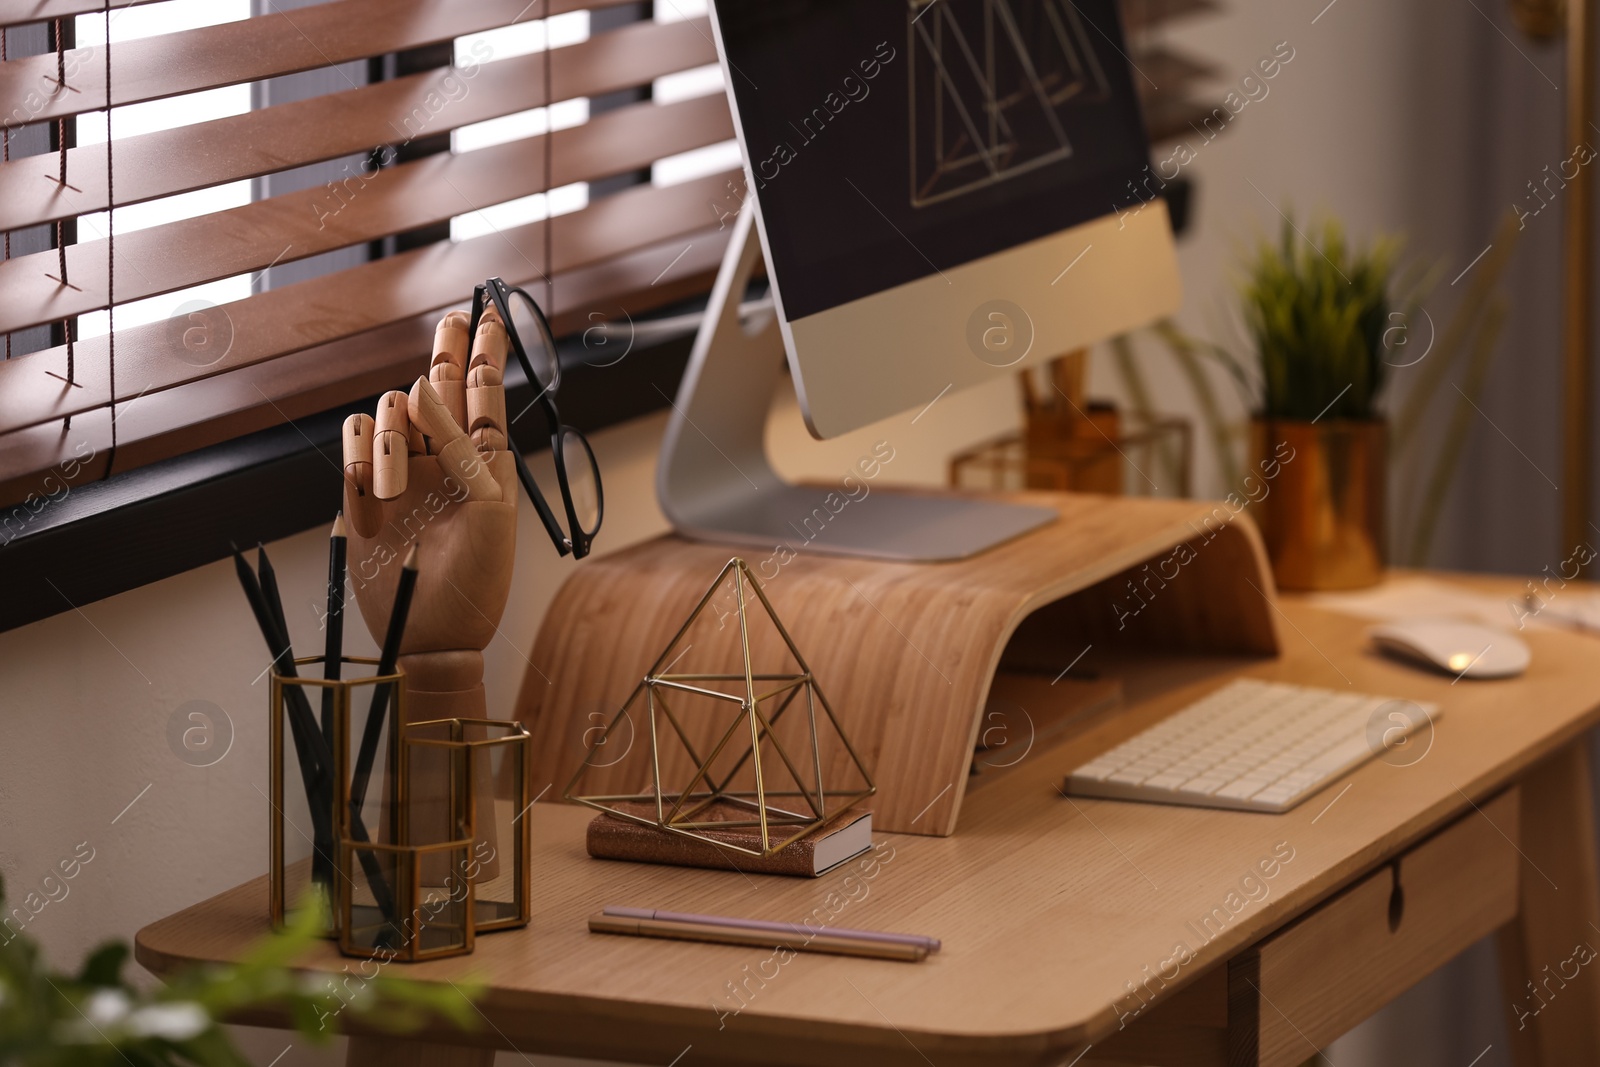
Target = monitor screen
(889,140)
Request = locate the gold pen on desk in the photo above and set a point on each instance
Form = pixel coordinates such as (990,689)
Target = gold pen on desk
(601,923)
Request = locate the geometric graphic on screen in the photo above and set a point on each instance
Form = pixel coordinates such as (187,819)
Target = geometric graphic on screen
(991,81)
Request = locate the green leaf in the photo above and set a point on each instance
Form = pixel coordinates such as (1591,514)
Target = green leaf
(1316,308)
(104,965)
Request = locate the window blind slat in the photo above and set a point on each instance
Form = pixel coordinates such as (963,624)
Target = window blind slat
(153,357)
(338,124)
(34,388)
(38,464)
(248,50)
(364,207)
(22,12)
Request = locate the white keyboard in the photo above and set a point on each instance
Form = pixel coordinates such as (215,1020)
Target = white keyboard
(1252,746)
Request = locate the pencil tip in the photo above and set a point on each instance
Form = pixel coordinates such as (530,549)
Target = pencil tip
(338,525)
(411,557)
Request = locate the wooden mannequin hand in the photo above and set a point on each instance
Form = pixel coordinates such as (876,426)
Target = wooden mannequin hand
(432,468)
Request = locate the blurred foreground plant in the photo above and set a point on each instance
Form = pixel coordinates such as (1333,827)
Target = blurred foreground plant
(97,1018)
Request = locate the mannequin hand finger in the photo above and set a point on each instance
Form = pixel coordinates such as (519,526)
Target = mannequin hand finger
(360,501)
(391,445)
(486,409)
(457,457)
(358,431)
(490,345)
(448,370)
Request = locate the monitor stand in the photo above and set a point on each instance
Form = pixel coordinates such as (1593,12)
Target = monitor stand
(714,481)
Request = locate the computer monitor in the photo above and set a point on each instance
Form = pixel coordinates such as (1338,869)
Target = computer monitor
(945,192)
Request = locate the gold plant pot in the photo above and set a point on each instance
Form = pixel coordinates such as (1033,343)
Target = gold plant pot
(1322,512)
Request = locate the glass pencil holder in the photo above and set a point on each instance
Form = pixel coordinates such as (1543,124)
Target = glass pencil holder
(329,739)
(477,770)
(411,896)
(405,902)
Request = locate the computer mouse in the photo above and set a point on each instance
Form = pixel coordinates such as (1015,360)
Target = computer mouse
(1460,649)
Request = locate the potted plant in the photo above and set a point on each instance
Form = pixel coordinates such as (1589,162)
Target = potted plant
(1320,314)
(1447,363)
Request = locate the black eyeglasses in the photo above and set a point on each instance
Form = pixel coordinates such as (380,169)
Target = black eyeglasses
(577,473)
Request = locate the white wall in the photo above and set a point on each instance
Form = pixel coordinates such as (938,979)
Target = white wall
(1415,116)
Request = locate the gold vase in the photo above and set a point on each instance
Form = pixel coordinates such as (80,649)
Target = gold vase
(1321,510)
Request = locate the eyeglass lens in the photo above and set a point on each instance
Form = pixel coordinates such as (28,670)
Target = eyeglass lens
(541,354)
(583,479)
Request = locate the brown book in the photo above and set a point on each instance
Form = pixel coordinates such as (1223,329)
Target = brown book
(612,838)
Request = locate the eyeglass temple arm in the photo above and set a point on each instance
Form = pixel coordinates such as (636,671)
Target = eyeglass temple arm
(529,486)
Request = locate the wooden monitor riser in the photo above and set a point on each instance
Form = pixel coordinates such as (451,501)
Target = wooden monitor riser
(906,652)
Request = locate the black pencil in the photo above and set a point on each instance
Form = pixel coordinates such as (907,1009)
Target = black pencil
(270,596)
(310,767)
(387,662)
(252,593)
(333,637)
(303,723)
(310,760)
(283,661)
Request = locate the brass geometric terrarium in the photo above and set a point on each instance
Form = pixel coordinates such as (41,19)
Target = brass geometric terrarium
(761,742)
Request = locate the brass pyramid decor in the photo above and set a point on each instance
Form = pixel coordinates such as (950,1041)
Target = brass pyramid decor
(765,746)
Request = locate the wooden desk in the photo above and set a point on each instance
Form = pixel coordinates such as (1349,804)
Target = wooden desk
(1053,911)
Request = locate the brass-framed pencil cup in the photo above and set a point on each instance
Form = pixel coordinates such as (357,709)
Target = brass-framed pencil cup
(406,902)
(314,721)
(487,763)
(456,860)
(740,734)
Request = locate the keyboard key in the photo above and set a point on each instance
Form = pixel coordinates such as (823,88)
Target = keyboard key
(1344,754)
(1274,795)
(1243,789)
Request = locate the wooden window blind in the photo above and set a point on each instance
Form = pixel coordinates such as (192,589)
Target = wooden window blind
(148,391)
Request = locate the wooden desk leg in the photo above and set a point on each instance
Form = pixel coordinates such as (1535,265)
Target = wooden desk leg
(405,1052)
(1554,1018)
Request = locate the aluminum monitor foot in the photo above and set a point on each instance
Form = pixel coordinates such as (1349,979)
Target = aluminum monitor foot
(883,524)
(715,483)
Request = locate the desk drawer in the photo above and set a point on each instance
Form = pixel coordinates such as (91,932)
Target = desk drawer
(1295,991)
